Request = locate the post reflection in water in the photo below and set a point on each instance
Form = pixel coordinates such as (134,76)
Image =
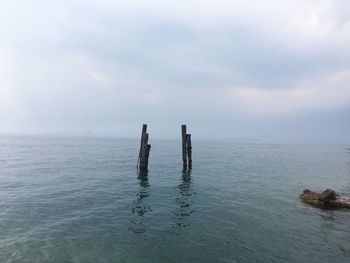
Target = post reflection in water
(184,201)
(139,209)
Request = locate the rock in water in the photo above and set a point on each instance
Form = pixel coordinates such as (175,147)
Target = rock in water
(327,195)
(308,195)
(327,198)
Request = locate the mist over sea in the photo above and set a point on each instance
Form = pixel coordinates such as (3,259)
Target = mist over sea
(81,199)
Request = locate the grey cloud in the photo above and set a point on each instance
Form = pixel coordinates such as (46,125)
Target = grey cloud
(108,66)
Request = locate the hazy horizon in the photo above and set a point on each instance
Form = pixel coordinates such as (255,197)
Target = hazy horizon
(271,71)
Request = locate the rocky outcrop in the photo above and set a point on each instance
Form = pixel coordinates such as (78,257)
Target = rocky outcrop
(327,198)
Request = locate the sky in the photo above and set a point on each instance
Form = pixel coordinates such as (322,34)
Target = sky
(269,71)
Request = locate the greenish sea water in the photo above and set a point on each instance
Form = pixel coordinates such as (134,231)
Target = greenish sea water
(82,200)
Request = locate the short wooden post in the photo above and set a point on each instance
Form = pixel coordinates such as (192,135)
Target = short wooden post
(184,155)
(144,150)
(189,150)
(147,154)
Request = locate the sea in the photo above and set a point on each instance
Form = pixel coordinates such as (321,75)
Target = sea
(81,199)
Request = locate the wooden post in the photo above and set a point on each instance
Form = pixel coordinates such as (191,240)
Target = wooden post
(144,130)
(147,154)
(142,162)
(184,155)
(143,156)
(189,150)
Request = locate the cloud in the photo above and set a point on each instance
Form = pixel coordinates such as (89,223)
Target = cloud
(89,64)
(324,94)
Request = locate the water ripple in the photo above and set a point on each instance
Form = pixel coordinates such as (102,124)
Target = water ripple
(81,200)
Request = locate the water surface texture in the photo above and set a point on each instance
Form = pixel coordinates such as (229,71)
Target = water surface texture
(82,200)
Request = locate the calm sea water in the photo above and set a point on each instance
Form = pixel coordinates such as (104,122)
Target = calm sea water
(82,200)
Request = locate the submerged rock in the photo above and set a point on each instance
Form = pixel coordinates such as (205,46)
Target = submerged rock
(327,198)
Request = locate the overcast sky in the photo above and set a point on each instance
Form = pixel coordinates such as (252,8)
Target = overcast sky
(267,70)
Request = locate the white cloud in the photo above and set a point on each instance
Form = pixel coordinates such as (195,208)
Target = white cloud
(122,61)
(326,93)
(12,114)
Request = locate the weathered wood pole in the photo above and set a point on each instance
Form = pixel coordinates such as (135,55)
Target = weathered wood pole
(184,155)
(189,150)
(145,148)
(147,154)
(144,130)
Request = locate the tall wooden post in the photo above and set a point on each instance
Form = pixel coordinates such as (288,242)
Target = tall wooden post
(186,149)
(189,150)
(144,130)
(144,149)
(184,155)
